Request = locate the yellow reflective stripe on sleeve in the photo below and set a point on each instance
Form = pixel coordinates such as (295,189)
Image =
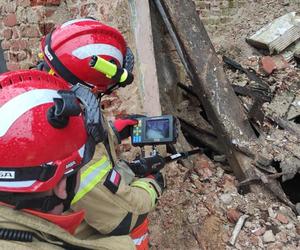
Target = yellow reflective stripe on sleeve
(91,177)
(148,187)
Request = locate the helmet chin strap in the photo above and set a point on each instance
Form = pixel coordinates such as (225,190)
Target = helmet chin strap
(44,204)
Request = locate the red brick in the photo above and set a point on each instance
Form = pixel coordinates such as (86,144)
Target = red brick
(282,218)
(7,34)
(74,11)
(10,20)
(53,2)
(13,66)
(259,232)
(106,103)
(269,64)
(23,3)
(18,45)
(45,2)
(233,215)
(30,31)
(45,28)
(49,12)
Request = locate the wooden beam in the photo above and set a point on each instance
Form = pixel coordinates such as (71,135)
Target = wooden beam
(145,61)
(222,106)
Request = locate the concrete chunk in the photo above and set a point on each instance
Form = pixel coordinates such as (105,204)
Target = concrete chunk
(277,35)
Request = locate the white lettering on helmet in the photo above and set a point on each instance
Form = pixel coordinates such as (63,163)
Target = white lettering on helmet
(18,105)
(70,164)
(47,53)
(7,174)
(99,49)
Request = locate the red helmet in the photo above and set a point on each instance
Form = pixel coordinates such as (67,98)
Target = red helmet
(70,46)
(35,154)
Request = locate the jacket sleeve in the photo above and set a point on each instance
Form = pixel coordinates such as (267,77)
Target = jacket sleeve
(114,212)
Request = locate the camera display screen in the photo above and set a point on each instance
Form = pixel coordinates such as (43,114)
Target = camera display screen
(157,129)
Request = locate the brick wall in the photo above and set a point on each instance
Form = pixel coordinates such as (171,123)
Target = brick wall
(218,12)
(24,22)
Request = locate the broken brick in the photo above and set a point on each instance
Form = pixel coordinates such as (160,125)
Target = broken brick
(233,215)
(282,218)
(269,64)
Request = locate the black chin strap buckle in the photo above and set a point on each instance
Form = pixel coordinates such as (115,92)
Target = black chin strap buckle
(64,107)
(92,112)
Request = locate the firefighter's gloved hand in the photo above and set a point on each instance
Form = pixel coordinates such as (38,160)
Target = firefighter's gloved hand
(122,126)
(147,166)
(160,180)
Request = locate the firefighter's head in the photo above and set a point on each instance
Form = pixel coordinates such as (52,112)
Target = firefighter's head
(68,49)
(44,140)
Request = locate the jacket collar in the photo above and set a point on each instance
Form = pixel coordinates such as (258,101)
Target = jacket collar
(68,222)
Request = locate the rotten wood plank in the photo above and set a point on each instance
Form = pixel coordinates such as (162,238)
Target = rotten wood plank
(205,138)
(208,78)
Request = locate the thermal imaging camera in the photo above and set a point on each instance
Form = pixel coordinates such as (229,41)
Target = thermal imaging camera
(154,131)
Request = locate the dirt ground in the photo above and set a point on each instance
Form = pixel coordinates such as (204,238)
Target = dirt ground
(200,208)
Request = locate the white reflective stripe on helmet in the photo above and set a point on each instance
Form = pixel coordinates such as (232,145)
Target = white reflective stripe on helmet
(100,49)
(138,241)
(77,21)
(18,105)
(16,184)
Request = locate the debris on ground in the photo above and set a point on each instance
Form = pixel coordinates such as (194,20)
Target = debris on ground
(205,207)
(277,35)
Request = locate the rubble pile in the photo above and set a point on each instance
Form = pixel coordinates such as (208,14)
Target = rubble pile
(199,210)
(202,207)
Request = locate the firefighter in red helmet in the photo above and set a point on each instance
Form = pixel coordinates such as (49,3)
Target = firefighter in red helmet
(47,134)
(67,51)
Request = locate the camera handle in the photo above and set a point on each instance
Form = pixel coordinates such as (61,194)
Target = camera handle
(143,152)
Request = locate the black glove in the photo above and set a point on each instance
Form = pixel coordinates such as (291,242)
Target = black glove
(159,178)
(148,165)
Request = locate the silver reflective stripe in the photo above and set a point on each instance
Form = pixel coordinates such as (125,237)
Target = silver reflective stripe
(100,49)
(17,106)
(81,151)
(16,184)
(78,21)
(139,241)
(90,177)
